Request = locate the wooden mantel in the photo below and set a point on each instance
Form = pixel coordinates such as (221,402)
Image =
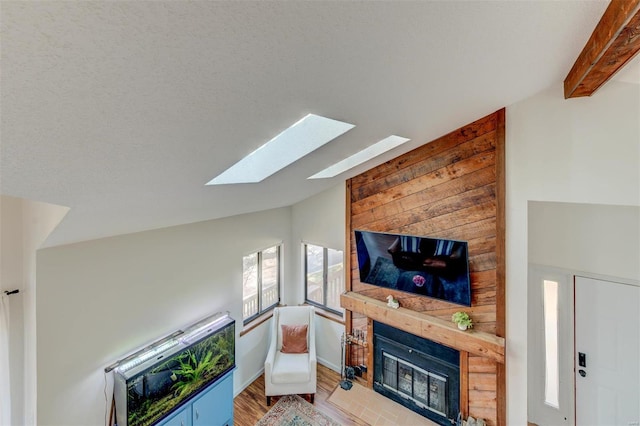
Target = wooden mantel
(427,326)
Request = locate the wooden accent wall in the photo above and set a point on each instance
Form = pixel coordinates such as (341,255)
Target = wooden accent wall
(452,187)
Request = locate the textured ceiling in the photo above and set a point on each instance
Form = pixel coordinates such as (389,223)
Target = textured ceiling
(122,111)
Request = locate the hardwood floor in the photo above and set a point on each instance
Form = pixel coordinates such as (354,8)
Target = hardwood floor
(251,404)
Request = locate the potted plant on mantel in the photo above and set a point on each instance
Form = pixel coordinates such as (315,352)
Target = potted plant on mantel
(462,319)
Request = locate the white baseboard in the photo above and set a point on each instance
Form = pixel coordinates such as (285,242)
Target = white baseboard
(330,365)
(248,382)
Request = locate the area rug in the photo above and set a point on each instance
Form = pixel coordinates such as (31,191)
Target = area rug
(291,410)
(384,273)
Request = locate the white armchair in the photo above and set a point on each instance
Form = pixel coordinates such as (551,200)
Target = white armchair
(291,373)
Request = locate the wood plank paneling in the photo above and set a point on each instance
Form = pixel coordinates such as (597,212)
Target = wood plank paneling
(483,411)
(466,133)
(349,260)
(483,393)
(482,381)
(415,185)
(464,384)
(482,397)
(478,364)
(450,188)
(446,158)
(501,262)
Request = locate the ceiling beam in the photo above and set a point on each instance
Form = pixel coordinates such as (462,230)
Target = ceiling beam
(614,42)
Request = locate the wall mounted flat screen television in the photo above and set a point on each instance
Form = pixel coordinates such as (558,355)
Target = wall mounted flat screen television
(431,267)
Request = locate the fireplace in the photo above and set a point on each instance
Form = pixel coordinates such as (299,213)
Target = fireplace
(422,375)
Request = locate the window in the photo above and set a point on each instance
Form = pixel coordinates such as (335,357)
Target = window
(552,379)
(324,277)
(260,282)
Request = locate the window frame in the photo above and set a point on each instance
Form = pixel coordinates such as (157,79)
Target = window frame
(539,410)
(259,265)
(325,275)
(551,334)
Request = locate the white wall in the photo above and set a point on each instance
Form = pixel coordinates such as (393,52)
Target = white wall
(599,239)
(100,300)
(12,277)
(583,150)
(321,220)
(24,226)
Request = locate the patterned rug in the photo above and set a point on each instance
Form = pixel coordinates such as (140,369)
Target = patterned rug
(291,410)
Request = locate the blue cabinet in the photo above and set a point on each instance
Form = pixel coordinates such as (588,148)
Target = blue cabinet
(180,418)
(212,407)
(215,407)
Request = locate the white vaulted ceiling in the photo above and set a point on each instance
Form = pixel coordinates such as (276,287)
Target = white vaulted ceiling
(122,111)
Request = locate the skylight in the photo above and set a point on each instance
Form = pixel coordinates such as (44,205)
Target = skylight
(305,136)
(358,158)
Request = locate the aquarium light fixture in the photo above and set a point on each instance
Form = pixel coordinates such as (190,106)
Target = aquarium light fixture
(125,360)
(302,138)
(199,331)
(358,158)
(145,356)
(190,334)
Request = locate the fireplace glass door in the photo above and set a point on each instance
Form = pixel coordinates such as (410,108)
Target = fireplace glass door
(405,379)
(437,399)
(421,387)
(390,374)
(425,388)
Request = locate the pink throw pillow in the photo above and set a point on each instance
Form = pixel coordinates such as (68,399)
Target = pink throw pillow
(294,339)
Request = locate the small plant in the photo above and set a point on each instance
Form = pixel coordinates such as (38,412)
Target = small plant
(462,319)
(191,372)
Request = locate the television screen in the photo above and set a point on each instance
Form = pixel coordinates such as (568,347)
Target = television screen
(431,267)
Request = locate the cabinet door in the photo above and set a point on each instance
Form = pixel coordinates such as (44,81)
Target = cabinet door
(215,407)
(180,418)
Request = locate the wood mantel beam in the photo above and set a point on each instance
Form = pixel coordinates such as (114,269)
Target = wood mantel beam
(427,326)
(614,42)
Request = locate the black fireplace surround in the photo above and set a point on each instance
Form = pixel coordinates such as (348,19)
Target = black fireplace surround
(420,374)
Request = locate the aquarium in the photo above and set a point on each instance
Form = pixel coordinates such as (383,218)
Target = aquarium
(157,380)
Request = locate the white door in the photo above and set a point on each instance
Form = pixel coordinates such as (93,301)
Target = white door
(607,332)
(550,349)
